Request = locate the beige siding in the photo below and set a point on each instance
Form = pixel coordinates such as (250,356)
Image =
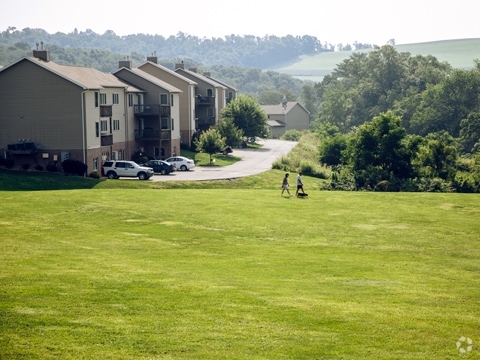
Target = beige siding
(186,115)
(41,106)
(297,118)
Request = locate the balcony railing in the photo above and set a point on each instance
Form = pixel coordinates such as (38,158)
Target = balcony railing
(106,140)
(152,110)
(210,120)
(152,134)
(205,100)
(105,110)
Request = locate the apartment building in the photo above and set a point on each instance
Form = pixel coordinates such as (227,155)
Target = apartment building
(53,112)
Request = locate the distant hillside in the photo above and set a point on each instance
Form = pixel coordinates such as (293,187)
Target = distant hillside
(458,53)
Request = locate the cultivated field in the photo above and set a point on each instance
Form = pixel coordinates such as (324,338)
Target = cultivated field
(458,53)
(237,273)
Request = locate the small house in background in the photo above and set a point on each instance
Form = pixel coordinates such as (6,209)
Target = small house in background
(288,115)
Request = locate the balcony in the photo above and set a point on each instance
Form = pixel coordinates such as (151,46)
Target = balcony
(22,148)
(205,100)
(105,110)
(152,110)
(106,140)
(152,134)
(209,120)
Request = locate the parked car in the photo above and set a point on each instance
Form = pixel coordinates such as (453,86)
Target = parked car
(181,162)
(160,166)
(115,169)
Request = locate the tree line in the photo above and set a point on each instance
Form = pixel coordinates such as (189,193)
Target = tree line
(231,50)
(397,121)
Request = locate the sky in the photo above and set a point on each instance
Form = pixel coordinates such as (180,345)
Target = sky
(333,21)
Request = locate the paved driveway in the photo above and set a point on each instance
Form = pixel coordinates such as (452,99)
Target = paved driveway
(254,161)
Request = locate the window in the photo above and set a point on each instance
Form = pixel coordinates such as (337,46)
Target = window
(104,126)
(95,164)
(96,99)
(164,124)
(97,129)
(130,100)
(173,124)
(116,125)
(171,100)
(103,99)
(209,92)
(163,99)
(114,98)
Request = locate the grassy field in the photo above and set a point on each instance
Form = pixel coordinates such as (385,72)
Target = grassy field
(458,53)
(231,270)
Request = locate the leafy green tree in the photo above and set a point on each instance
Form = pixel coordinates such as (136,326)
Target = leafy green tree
(332,150)
(445,105)
(378,151)
(437,156)
(470,132)
(248,116)
(232,134)
(210,142)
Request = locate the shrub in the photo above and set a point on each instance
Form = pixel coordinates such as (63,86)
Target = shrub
(8,163)
(25,166)
(292,135)
(39,167)
(71,166)
(52,167)
(94,175)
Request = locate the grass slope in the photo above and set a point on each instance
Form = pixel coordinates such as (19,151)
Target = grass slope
(237,273)
(458,53)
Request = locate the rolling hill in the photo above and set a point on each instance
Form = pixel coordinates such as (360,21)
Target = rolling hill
(459,53)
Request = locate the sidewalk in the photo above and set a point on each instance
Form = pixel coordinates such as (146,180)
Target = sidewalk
(254,161)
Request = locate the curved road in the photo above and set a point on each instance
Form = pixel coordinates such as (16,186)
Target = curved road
(254,161)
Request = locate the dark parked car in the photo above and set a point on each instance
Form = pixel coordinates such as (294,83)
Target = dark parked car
(160,166)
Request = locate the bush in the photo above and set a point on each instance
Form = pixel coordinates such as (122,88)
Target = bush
(25,166)
(75,167)
(52,167)
(39,167)
(94,175)
(292,135)
(8,163)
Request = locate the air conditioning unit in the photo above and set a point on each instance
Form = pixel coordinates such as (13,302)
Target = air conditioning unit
(114,155)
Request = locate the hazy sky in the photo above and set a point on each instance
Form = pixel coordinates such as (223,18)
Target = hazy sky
(335,21)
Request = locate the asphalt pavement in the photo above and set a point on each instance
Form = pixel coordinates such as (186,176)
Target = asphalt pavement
(254,161)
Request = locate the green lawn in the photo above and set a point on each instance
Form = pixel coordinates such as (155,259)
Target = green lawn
(238,273)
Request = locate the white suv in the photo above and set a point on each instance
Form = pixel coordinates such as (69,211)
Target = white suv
(115,169)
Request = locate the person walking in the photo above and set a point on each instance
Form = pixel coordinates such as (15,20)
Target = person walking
(299,183)
(285,185)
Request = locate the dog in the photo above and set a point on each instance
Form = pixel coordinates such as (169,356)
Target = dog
(302,195)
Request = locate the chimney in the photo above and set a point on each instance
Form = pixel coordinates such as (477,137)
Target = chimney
(41,53)
(153,58)
(284,102)
(193,70)
(125,63)
(206,73)
(180,66)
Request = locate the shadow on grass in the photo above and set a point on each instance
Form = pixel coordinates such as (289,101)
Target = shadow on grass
(15,180)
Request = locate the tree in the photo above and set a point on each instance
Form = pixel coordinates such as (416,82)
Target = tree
(232,134)
(248,116)
(210,142)
(378,151)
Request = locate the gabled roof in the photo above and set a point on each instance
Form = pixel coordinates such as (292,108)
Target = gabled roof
(201,77)
(184,78)
(279,110)
(150,78)
(85,77)
(222,83)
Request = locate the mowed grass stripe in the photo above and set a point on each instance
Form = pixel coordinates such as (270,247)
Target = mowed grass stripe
(222,273)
